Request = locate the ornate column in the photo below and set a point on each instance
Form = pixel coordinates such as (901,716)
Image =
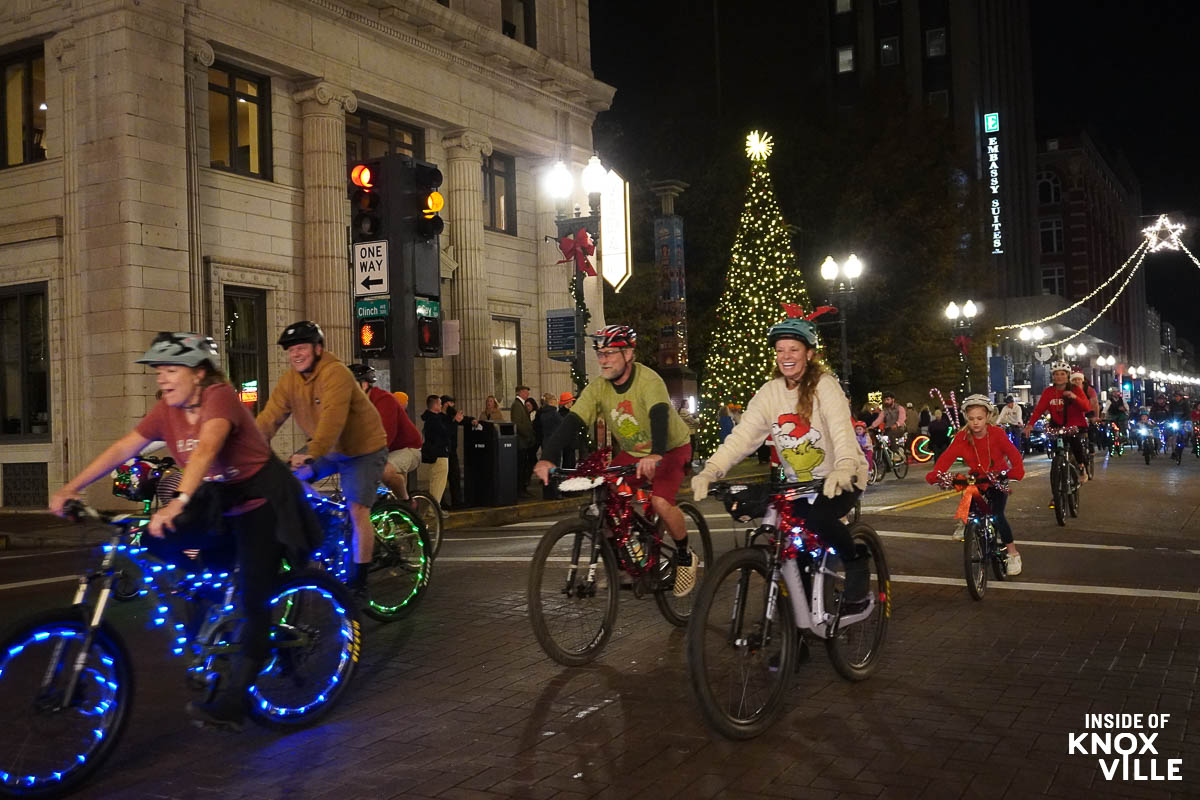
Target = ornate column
(199,58)
(473,372)
(327,296)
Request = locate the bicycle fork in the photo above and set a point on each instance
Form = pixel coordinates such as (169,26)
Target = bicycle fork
(89,636)
(586,588)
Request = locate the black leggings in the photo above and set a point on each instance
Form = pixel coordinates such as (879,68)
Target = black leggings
(1075,444)
(824,516)
(253,547)
(997,500)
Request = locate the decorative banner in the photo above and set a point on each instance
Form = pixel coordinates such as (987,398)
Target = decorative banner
(672,298)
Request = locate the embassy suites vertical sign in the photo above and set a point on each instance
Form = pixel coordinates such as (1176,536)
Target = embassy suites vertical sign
(991,130)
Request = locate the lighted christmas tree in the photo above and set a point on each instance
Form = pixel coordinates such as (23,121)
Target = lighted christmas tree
(762,274)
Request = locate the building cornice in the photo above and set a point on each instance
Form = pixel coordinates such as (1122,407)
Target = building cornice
(459,40)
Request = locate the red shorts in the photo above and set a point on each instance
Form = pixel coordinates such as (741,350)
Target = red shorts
(669,473)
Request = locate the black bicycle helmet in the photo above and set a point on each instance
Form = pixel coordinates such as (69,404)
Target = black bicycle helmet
(364,373)
(302,332)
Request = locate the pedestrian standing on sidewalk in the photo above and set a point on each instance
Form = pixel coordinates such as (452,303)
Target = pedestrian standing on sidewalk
(526,441)
(454,418)
(435,452)
(565,401)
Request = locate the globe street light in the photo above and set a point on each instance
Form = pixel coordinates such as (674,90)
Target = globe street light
(962,324)
(840,278)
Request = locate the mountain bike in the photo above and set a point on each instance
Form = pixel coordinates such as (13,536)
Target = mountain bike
(890,454)
(574,580)
(1178,438)
(1116,440)
(982,548)
(1149,443)
(759,603)
(66,677)
(1064,474)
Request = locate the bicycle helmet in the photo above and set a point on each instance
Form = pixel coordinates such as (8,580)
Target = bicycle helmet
(793,328)
(363,373)
(1060,366)
(182,348)
(302,332)
(614,336)
(978,400)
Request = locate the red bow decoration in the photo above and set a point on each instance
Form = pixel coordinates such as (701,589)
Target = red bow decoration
(962,343)
(578,249)
(793,311)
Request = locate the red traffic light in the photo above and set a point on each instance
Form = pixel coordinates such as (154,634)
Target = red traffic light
(361,176)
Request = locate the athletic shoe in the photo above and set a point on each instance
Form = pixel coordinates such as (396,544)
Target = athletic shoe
(1014,564)
(685,573)
(959,528)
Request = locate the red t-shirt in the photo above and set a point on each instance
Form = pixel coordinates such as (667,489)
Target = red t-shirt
(991,453)
(1063,412)
(245,449)
(401,433)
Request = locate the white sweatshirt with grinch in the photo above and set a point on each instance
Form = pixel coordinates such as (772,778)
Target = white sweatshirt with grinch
(807,448)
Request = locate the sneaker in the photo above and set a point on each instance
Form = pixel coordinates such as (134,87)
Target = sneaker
(685,574)
(959,529)
(1014,564)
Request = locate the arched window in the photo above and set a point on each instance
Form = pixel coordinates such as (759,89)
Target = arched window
(1049,189)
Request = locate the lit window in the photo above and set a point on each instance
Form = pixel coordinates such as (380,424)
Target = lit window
(500,193)
(239,114)
(246,345)
(23,109)
(845,59)
(935,42)
(1052,235)
(843,6)
(506,357)
(889,51)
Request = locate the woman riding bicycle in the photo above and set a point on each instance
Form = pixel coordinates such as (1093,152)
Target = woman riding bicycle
(230,478)
(1068,407)
(804,411)
(985,449)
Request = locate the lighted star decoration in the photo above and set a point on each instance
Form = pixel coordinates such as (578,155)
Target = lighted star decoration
(759,146)
(1163,235)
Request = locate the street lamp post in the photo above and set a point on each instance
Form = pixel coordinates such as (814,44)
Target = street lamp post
(577,239)
(962,323)
(840,278)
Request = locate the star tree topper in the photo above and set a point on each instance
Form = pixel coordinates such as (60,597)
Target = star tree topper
(1163,235)
(759,146)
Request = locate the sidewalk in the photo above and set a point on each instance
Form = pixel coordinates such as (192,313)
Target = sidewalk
(33,528)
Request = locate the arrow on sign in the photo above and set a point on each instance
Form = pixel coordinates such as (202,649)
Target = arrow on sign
(369,283)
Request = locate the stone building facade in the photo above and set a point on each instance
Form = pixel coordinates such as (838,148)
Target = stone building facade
(182,164)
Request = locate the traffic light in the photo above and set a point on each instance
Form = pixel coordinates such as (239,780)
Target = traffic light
(427,200)
(366,202)
(429,336)
(373,338)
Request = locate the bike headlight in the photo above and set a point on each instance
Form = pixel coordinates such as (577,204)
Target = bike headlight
(1174,426)
(1143,431)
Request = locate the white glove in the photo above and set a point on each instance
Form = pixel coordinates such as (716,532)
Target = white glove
(838,481)
(700,484)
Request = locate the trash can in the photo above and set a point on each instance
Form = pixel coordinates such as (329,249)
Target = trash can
(490,456)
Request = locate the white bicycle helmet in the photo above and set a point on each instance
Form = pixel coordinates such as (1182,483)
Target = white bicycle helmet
(978,400)
(1060,365)
(181,348)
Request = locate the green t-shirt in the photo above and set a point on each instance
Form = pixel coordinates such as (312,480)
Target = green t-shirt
(627,413)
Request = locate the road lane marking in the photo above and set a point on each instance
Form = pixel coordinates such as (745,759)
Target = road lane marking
(40,581)
(487,538)
(534,524)
(1060,588)
(945,537)
(47,553)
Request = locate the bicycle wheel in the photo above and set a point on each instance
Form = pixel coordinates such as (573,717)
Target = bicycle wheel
(899,464)
(399,571)
(54,743)
(678,609)
(432,517)
(740,661)
(573,609)
(1057,490)
(315,644)
(1071,489)
(854,651)
(975,559)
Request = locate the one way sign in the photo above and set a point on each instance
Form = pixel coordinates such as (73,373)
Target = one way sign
(370,268)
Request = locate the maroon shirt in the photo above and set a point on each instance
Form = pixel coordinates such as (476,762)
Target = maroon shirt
(245,449)
(401,433)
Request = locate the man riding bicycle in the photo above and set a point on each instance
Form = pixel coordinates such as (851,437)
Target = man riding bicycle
(804,411)
(636,408)
(1068,407)
(404,440)
(892,419)
(1010,420)
(345,433)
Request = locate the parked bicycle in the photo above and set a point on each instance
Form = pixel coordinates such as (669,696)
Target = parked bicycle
(759,603)
(574,579)
(66,677)
(890,454)
(982,548)
(1064,474)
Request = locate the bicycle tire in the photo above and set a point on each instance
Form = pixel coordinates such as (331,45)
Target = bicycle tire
(1058,496)
(839,647)
(104,695)
(677,610)
(432,517)
(1071,488)
(398,574)
(299,685)
(899,465)
(715,636)
(999,559)
(975,560)
(542,589)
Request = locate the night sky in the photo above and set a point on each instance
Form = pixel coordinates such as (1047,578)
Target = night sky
(1125,69)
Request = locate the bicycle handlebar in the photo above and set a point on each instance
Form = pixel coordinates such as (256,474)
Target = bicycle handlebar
(79,511)
(720,489)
